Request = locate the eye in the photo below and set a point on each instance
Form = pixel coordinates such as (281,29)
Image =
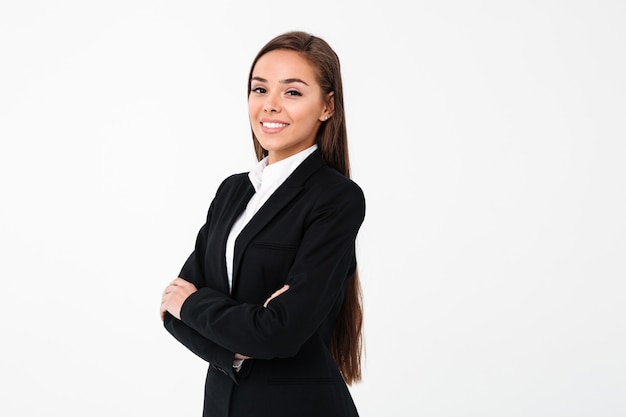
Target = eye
(258,90)
(293,93)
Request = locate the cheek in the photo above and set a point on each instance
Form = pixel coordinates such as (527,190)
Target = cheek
(256,129)
(253,118)
(305,112)
(251,107)
(254,105)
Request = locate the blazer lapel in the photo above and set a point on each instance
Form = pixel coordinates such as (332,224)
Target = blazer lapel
(237,202)
(292,186)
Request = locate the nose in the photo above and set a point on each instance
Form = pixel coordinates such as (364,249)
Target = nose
(271,104)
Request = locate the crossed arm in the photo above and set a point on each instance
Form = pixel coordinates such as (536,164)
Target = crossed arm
(214,326)
(177,292)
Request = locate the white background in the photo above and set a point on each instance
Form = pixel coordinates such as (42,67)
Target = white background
(488,137)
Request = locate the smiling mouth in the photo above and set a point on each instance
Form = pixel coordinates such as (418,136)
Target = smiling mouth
(274,125)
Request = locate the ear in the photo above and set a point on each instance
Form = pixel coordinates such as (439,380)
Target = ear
(329,108)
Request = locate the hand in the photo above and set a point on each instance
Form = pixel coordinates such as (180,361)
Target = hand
(242,357)
(276,294)
(175,295)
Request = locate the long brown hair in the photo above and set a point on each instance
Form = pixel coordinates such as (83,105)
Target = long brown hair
(346,344)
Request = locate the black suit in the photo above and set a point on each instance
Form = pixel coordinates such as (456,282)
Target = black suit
(304,236)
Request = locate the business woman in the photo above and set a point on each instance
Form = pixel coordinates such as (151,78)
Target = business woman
(270,296)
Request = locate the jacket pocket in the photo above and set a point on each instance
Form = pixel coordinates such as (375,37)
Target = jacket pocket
(273,245)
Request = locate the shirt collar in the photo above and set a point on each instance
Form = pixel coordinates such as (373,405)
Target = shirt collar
(266,175)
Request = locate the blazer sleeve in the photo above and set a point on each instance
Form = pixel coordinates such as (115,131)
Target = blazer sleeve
(211,352)
(317,278)
(193,271)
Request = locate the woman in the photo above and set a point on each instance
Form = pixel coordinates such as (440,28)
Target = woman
(270,296)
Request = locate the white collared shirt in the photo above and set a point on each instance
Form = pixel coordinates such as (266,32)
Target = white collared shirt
(265,179)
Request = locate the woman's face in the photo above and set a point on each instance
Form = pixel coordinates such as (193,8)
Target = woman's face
(286,104)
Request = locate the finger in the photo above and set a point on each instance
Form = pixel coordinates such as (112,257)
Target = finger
(280,291)
(276,294)
(189,286)
(180,282)
(171,288)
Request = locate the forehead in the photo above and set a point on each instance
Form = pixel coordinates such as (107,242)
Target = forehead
(284,64)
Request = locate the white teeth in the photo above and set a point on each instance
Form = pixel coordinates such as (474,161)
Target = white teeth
(272,125)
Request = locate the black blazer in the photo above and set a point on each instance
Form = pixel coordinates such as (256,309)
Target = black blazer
(304,236)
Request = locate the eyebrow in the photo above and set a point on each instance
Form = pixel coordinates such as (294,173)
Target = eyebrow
(285,81)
